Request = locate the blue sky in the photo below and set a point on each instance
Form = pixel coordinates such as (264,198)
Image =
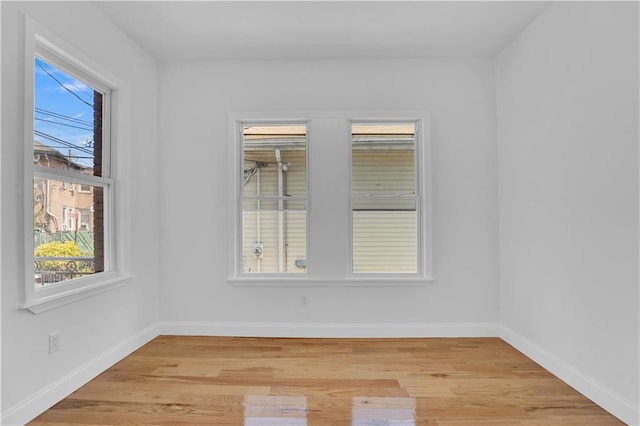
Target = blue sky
(63,113)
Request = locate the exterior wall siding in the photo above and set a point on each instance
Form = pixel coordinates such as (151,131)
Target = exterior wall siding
(261,227)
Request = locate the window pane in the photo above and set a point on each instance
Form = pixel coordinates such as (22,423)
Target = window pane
(67,122)
(382,159)
(274,218)
(384,241)
(274,241)
(66,225)
(384,198)
(275,158)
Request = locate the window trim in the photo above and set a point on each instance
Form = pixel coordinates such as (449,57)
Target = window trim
(41,43)
(347,279)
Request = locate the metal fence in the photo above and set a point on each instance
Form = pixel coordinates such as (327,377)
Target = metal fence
(54,269)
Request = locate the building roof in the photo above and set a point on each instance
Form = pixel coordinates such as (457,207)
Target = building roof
(40,149)
(365,136)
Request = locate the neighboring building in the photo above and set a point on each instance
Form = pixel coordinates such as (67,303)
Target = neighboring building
(60,206)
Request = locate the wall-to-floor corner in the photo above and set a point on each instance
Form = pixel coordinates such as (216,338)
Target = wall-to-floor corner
(567,112)
(46,397)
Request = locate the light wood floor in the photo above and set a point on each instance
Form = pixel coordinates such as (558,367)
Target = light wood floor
(258,381)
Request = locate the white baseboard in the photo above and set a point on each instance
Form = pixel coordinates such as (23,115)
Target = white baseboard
(605,398)
(327,330)
(44,399)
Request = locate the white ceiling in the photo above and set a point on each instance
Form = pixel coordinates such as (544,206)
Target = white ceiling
(222,30)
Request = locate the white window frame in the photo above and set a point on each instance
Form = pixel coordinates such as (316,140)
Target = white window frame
(421,219)
(238,197)
(41,43)
(341,275)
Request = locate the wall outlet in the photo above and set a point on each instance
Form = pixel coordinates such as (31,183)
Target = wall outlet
(304,301)
(54,342)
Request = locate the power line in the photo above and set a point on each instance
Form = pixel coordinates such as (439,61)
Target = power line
(63,86)
(63,142)
(77,157)
(63,124)
(62,116)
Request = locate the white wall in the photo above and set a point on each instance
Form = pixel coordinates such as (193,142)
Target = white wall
(195,100)
(567,96)
(565,166)
(96,330)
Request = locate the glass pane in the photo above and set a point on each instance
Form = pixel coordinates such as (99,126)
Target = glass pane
(385,241)
(68,230)
(274,221)
(383,159)
(275,160)
(67,122)
(274,241)
(384,190)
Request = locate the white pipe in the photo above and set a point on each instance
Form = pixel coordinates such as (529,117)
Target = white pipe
(258,231)
(48,203)
(280,212)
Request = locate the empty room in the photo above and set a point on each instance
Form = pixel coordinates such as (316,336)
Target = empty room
(322,213)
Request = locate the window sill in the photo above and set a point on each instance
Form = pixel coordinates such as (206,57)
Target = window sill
(58,299)
(351,281)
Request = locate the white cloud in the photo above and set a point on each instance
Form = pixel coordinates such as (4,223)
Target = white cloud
(76,86)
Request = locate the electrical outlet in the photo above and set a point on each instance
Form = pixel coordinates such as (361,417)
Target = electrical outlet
(54,342)
(304,301)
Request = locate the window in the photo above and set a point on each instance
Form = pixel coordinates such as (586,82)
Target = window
(384,198)
(70,233)
(69,151)
(274,198)
(84,216)
(331,197)
(67,221)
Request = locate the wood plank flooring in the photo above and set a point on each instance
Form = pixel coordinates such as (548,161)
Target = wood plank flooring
(360,382)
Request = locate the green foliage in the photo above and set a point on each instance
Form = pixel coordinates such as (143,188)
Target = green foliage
(56,249)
